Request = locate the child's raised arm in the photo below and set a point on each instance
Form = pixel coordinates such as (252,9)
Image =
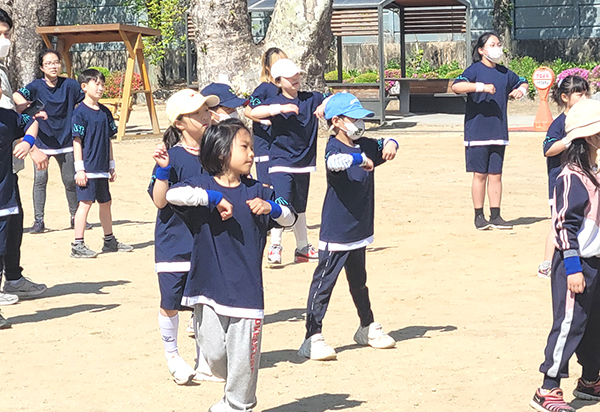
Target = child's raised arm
(279,213)
(196,196)
(270,110)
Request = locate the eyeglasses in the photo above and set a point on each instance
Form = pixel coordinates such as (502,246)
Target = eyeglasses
(52,64)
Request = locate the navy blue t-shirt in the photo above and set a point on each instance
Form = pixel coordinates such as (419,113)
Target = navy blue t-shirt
(55,133)
(94,128)
(294,136)
(12,127)
(556,132)
(349,206)
(173,240)
(227,255)
(485,114)
(262,132)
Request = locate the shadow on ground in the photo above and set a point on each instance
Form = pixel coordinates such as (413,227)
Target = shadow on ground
(85,288)
(318,403)
(56,313)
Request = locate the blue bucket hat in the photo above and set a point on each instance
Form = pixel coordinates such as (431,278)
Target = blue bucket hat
(225,94)
(345,104)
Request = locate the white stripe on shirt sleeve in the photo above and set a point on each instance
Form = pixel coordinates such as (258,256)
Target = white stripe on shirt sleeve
(187,196)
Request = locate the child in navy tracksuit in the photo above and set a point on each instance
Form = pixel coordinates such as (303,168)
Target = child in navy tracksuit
(294,128)
(12,128)
(565,93)
(261,128)
(576,265)
(346,224)
(488,85)
(177,159)
(228,215)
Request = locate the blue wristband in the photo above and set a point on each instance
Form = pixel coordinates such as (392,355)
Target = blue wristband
(393,140)
(214,197)
(162,173)
(29,139)
(357,159)
(276,210)
(572,265)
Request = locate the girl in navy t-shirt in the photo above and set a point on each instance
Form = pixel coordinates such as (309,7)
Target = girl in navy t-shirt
(228,215)
(488,86)
(565,94)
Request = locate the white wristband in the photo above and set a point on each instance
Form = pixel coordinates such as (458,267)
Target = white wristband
(265,122)
(479,87)
(365,159)
(79,167)
(523,90)
(111,165)
(566,142)
(275,109)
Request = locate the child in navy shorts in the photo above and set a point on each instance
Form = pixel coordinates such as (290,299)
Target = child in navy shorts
(93,127)
(575,275)
(12,128)
(488,85)
(565,94)
(228,102)
(294,128)
(346,224)
(229,216)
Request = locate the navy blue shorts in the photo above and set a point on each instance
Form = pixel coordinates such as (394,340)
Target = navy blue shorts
(171,285)
(292,187)
(485,159)
(95,190)
(262,172)
(3,234)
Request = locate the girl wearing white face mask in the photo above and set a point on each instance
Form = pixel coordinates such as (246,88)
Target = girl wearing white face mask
(488,86)
(229,102)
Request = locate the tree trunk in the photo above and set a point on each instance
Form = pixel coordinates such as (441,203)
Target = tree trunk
(226,48)
(503,22)
(27,44)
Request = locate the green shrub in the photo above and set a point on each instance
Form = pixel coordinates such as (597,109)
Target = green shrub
(367,78)
(452,74)
(333,75)
(524,67)
(393,63)
(445,68)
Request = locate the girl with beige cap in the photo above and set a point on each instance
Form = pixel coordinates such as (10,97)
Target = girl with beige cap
(575,265)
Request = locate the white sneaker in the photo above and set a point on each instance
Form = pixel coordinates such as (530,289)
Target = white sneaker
(374,336)
(182,372)
(190,327)
(315,348)
(274,255)
(203,372)
(8,299)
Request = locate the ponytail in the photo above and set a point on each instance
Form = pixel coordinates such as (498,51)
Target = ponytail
(171,137)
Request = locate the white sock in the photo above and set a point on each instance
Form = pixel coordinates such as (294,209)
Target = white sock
(276,236)
(301,231)
(168,331)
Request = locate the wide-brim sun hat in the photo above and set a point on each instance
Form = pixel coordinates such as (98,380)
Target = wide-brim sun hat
(345,104)
(583,120)
(285,68)
(187,101)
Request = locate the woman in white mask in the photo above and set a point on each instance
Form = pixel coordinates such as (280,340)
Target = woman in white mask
(227,108)
(488,86)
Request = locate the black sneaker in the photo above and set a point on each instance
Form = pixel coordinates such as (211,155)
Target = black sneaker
(499,223)
(114,245)
(587,391)
(4,324)
(481,223)
(38,227)
(80,250)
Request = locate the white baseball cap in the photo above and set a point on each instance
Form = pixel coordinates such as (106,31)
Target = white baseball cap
(188,101)
(285,68)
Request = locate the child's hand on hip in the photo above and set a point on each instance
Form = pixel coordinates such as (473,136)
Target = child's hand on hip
(259,206)
(576,282)
(81,178)
(161,155)
(225,209)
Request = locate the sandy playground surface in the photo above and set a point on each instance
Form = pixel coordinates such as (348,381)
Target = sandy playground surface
(468,312)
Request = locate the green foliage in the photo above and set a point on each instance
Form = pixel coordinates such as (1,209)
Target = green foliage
(102,70)
(333,75)
(367,78)
(524,67)
(452,74)
(163,15)
(446,68)
(393,63)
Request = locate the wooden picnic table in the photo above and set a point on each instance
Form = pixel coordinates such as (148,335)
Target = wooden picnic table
(131,36)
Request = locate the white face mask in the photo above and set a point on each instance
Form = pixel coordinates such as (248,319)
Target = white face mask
(355,130)
(494,54)
(225,116)
(4,46)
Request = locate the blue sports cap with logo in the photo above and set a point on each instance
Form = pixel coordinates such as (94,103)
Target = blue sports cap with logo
(225,94)
(346,104)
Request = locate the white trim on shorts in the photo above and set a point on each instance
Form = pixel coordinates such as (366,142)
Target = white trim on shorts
(285,169)
(52,152)
(223,310)
(499,142)
(101,175)
(171,267)
(338,247)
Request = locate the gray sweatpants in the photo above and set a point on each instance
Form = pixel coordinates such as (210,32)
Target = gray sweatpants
(40,181)
(231,347)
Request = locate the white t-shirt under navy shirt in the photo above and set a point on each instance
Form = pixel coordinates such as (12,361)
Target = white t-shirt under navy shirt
(294,146)
(11,129)
(94,128)
(173,240)
(55,133)
(349,206)
(226,262)
(262,132)
(485,114)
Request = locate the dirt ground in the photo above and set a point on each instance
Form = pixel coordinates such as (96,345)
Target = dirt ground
(468,312)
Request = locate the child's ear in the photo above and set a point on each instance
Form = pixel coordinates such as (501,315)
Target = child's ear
(178,124)
(564,97)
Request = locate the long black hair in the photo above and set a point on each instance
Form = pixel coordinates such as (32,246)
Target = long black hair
(568,86)
(215,148)
(171,137)
(578,155)
(481,41)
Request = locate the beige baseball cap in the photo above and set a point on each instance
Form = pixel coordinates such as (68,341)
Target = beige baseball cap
(583,120)
(188,101)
